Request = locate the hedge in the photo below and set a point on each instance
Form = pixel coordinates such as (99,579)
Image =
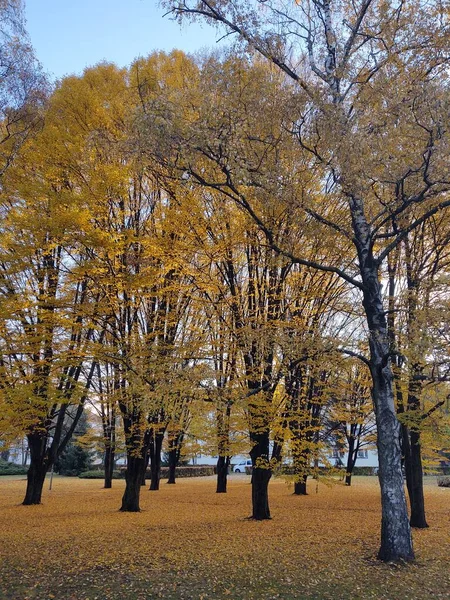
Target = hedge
(12,469)
(444,482)
(194,471)
(191,471)
(100,475)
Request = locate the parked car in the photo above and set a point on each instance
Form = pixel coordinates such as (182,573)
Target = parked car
(242,465)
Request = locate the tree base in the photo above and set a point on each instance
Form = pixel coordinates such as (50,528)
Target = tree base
(419,524)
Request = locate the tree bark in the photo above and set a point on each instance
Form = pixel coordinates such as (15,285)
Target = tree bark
(39,465)
(173,460)
(351,459)
(300,487)
(396,541)
(223,446)
(133,478)
(261,474)
(413,465)
(155,460)
(301,465)
(145,467)
(109,465)
(223,462)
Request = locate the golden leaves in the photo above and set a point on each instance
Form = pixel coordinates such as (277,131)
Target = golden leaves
(189,542)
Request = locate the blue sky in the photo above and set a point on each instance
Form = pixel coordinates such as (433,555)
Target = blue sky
(69,35)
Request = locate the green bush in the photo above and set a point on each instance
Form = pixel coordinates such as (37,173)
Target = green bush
(365,470)
(99,475)
(7,468)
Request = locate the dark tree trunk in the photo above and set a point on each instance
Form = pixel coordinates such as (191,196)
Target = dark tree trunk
(146,462)
(109,465)
(223,462)
(4,455)
(351,459)
(413,454)
(348,478)
(414,473)
(300,486)
(260,496)
(261,474)
(155,460)
(38,469)
(406,462)
(223,447)
(173,460)
(133,478)
(301,466)
(35,483)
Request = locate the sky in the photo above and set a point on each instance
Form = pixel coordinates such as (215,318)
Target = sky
(69,35)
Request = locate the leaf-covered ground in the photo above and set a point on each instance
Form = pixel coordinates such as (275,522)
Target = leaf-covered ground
(189,542)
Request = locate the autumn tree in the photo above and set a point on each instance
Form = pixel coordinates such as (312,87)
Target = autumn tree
(105,433)
(380,148)
(130,235)
(352,413)
(416,287)
(224,389)
(45,304)
(23,87)
(315,316)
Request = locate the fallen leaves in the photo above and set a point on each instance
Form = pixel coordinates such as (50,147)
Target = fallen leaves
(189,542)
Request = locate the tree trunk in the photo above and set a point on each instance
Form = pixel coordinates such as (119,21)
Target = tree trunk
(300,487)
(4,455)
(109,465)
(396,541)
(35,483)
(155,460)
(223,447)
(301,466)
(223,462)
(415,488)
(261,474)
(145,467)
(133,478)
(173,460)
(38,469)
(350,464)
(260,496)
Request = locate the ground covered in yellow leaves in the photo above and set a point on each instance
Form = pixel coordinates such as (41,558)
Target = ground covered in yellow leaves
(189,542)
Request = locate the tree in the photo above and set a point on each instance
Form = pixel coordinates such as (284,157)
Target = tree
(250,278)
(43,299)
(416,271)
(75,457)
(23,88)
(352,413)
(132,239)
(342,59)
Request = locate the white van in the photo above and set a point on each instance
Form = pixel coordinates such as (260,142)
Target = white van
(241,465)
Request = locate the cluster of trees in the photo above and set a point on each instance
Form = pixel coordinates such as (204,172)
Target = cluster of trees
(262,232)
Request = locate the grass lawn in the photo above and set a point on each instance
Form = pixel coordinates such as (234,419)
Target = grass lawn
(189,542)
